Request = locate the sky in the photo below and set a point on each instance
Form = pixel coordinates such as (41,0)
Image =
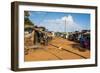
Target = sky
(60,21)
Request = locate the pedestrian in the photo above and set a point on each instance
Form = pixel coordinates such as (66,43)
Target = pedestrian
(82,40)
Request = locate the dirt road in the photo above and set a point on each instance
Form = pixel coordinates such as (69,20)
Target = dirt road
(58,49)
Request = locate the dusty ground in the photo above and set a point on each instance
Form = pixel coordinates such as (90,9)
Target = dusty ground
(58,49)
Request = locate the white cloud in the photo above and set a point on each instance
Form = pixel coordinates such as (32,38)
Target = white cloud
(62,23)
(68,18)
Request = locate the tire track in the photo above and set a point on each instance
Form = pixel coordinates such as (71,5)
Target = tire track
(68,51)
(53,54)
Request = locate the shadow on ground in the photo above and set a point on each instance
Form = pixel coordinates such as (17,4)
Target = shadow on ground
(78,47)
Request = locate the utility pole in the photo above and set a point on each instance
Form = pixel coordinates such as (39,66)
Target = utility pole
(65,25)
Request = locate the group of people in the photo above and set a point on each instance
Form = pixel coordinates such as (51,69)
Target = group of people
(82,38)
(40,37)
(85,41)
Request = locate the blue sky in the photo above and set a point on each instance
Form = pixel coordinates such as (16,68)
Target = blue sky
(60,21)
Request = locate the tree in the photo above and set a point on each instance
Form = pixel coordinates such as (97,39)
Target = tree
(27,21)
(26,14)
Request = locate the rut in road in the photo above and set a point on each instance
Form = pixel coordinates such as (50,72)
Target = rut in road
(53,54)
(68,51)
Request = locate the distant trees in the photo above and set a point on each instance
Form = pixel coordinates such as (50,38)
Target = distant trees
(27,21)
(26,14)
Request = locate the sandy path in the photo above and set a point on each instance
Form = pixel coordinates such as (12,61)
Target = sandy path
(53,53)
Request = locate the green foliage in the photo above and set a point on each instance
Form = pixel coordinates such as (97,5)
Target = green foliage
(27,21)
(26,14)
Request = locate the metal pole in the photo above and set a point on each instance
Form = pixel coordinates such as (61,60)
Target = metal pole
(65,25)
